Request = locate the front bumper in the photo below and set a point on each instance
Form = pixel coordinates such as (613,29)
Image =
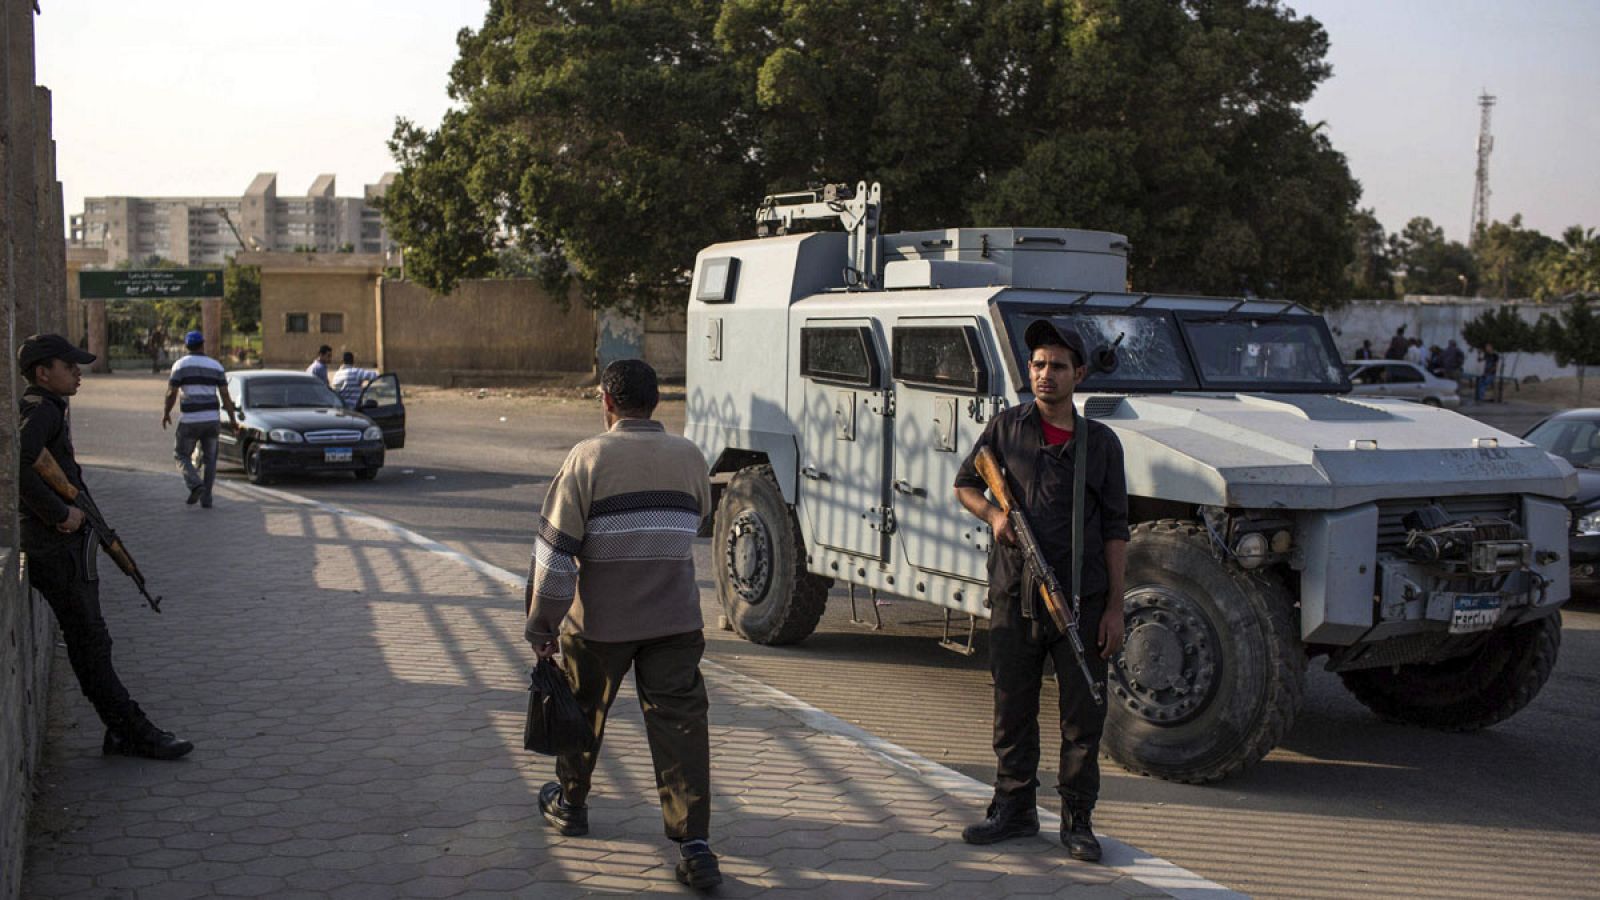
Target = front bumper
(284,459)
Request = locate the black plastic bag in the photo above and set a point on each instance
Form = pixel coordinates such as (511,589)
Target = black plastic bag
(556,724)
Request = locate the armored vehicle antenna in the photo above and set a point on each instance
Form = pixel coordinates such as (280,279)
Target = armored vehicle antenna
(857,209)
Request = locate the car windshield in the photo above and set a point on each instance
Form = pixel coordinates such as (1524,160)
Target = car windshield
(289,393)
(1575,440)
(1237,351)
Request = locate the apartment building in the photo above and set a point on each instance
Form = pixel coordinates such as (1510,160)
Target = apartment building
(198,231)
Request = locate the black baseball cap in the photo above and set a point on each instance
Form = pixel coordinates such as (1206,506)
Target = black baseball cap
(41,348)
(1044,331)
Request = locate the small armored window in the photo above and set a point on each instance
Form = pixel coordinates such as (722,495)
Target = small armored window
(944,357)
(841,355)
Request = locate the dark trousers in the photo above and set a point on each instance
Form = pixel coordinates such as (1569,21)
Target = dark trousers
(69,583)
(672,695)
(1018,650)
(203,435)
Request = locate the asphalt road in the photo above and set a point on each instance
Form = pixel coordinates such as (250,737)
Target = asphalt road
(1347,805)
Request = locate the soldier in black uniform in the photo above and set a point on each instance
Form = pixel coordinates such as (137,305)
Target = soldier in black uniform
(61,548)
(1035,445)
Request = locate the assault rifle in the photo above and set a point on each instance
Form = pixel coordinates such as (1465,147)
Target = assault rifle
(1049,588)
(50,471)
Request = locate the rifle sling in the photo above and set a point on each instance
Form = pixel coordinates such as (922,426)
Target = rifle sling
(1080,463)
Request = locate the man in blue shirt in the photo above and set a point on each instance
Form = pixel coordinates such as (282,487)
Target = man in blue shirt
(319,366)
(200,381)
(350,379)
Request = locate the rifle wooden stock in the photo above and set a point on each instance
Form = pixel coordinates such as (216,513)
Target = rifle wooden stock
(50,470)
(989,468)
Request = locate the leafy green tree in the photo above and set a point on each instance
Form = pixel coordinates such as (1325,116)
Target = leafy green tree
(1572,266)
(1433,265)
(1507,256)
(1371,272)
(1574,338)
(622,138)
(241,296)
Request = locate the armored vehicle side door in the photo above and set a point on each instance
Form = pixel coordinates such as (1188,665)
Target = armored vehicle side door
(844,427)
(944,382)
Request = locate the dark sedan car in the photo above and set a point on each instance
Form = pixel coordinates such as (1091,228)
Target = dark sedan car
(1574,435)
(293,423)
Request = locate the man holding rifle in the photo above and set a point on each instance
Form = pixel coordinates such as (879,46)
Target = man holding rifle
(1037,448)
(61,547)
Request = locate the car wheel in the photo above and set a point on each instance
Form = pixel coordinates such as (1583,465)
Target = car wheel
(366,474)
(252,465)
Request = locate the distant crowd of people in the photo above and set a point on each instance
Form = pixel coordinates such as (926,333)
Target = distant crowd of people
(1448,361)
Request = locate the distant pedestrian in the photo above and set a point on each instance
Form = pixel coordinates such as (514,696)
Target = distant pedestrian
(200,381)
(1453,360)
(1414,352)
(1435,363)
(62,548)
(1397,345)
(612,587)
(319,366)
(350,379)
(1365,350)
(154,340)
(1491,369)
(1039,446)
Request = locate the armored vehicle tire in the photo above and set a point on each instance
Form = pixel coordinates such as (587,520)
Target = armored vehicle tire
(1212,673)
(1468,692)
(760,563)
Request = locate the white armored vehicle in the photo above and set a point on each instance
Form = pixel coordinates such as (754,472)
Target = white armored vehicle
(836,380)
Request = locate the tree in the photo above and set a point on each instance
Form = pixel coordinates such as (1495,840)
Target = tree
(622,138)
(1509,333)
(1371,272)
(1574,338)
(1507,256)
(241,296)
(1572,266)
(1432,265)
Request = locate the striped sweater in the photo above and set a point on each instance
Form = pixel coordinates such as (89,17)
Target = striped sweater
(613,558)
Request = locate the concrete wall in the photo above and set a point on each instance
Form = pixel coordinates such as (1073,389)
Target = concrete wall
(319,285)
(657,338)
(1437,320)
(32,298)
(486,328)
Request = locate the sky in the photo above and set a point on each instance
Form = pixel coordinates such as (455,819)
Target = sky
(182,97)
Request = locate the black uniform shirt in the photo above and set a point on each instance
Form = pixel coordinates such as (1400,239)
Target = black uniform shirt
(1040,479)
(44,427)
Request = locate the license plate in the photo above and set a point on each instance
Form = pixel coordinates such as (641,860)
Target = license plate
(1474,612)
(338,454)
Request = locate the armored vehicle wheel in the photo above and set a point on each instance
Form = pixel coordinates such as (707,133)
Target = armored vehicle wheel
(1468,692)
(1212,672)
(760,562)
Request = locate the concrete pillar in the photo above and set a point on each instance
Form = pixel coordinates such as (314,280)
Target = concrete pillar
(99,334)
(50,298)
(377,321)
(211,324)
(22,203)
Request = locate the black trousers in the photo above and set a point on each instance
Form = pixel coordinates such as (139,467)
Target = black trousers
(69,582)
(672,695)
(1018,650)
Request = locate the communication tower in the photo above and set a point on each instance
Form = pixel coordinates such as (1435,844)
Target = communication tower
(1480,192)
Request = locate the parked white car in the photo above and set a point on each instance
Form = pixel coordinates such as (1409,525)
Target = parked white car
(1404,380)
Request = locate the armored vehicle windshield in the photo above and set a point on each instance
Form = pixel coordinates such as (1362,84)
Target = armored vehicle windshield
(1178,349)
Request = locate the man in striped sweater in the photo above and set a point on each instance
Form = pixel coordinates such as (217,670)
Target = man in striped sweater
(201,382)
(611,587)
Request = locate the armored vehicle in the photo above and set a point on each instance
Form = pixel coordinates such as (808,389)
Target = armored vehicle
(836,380)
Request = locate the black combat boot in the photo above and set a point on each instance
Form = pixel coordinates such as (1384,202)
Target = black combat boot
(1008,817)
(141,738)
(1077,835)
(569,821)
(698,867)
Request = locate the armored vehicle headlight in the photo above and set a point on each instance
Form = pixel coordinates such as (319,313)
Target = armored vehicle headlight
(1251,549)
(285,436)
(1282,541)
(373,433)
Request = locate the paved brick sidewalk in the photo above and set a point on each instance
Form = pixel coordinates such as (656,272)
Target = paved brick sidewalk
(356,697)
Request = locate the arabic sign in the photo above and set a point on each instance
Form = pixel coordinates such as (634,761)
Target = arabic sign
(149,284)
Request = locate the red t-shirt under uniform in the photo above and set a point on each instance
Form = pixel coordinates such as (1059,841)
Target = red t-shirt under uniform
(1054,435)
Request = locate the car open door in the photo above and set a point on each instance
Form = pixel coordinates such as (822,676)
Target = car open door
(380,402)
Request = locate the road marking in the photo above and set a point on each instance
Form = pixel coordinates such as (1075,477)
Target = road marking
(1146,868)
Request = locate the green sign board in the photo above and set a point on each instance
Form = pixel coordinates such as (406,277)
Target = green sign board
(149,284)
